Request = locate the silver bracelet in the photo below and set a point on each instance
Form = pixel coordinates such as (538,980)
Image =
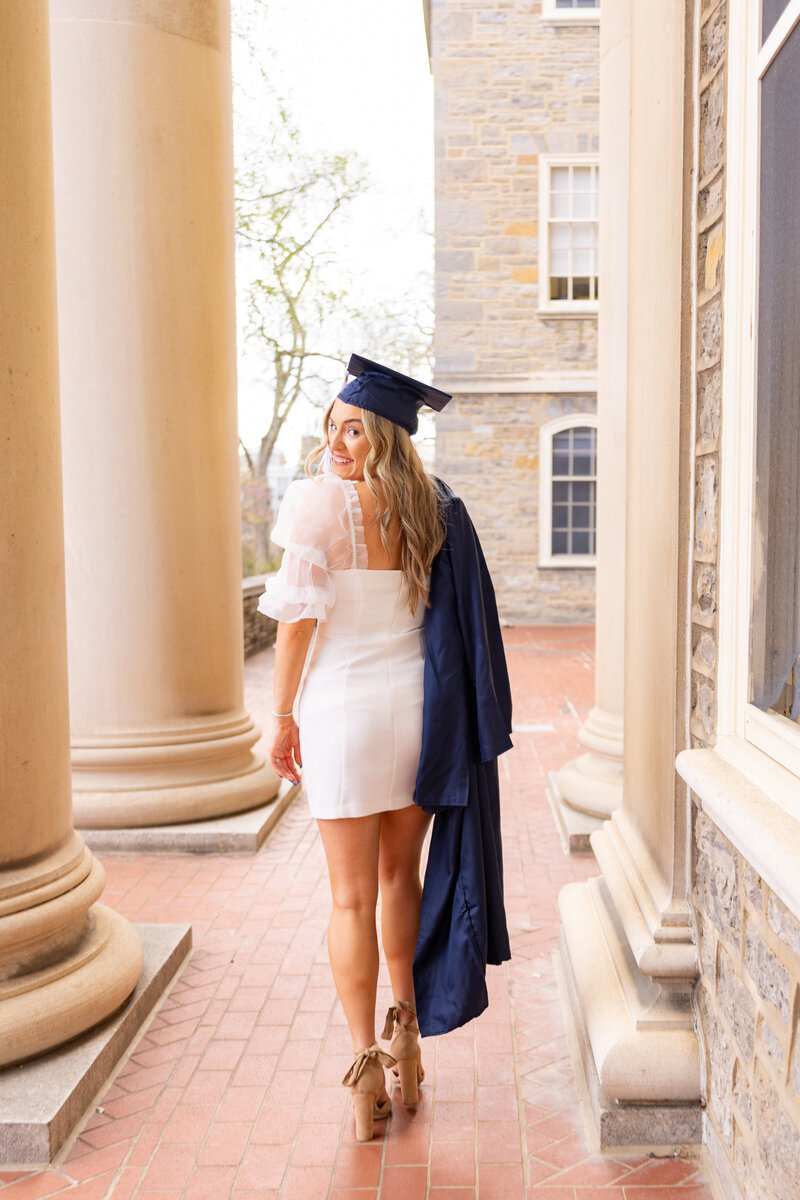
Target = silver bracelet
(288,714)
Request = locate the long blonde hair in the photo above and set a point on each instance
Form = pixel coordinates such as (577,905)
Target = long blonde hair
(395,476)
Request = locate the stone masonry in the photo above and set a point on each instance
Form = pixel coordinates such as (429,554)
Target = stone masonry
(747,1004)
(749,943)
(487,448)
(708,333)
(509,86)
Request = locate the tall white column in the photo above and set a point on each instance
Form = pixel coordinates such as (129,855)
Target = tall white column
(592,784)
(627,937)
(145,225)
(66,962)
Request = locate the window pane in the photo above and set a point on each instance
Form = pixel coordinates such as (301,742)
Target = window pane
(581,492)
(588,4)
(560,463)
(580,516)
(580,288)
(583,204)
(581,264)
(775,645)
(559,262)
(559,207)
(582,179)
(770,11)
(559,179)
(559,289)
(560,516)
(580,542)
(560,541)
(561,491)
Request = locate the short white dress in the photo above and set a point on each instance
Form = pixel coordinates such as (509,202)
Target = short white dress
(360,704)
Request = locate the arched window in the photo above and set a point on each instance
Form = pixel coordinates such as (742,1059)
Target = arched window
(568,491)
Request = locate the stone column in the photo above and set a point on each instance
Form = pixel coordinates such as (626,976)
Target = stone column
(627,940)
(590,786)
(65,962)
(145,223)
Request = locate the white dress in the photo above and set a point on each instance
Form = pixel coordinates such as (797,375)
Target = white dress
(360,705)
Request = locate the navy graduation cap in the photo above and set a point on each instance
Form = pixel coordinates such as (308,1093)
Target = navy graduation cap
(388,393)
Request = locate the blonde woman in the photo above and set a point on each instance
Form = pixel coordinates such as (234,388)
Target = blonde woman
(360,539)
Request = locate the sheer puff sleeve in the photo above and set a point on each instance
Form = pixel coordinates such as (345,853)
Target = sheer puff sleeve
(314,527)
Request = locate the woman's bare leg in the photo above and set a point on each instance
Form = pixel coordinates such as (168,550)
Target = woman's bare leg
(402,834)
(351,848)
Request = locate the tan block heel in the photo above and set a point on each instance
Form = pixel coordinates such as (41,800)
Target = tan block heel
(364,1109)
(407,1069)
(405,1049)
(366,1081)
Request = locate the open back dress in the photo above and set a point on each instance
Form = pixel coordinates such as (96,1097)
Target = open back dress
(360,705)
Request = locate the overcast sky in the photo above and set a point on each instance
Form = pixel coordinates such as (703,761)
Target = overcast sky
(356,76)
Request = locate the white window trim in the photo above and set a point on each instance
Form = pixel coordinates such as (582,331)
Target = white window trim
(764,747)
(546,432)
(568,16)
(548,307)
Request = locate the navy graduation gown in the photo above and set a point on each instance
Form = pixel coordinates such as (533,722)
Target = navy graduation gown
(466,724)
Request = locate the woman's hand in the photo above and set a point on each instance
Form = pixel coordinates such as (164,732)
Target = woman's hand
(284,755)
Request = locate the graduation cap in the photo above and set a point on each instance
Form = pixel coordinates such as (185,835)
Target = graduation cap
(388,393)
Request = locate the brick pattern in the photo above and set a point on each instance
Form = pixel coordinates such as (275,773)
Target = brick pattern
(487,448)
(234,1088)
(748,1002)
(508,88)
(708,333)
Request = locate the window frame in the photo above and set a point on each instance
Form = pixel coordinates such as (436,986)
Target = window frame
(765,747)
(546,433)
(569,16)
(548,307)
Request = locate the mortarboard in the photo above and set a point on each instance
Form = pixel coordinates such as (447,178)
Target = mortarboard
(388,393)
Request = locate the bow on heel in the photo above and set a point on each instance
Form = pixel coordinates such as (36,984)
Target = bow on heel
(405,1049)
(366,1081)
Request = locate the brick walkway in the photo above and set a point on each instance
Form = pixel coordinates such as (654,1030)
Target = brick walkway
(234,1089)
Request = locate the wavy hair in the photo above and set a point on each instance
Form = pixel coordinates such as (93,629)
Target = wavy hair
(395,476)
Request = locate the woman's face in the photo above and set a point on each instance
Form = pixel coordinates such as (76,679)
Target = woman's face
(349,444)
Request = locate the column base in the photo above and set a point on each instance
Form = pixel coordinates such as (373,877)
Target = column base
(163,803)
(240,833)
(43,1009)
(592,783)
(574,828)
(642,1069)
(43,1100)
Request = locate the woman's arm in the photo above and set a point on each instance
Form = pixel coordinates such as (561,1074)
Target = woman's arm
(291,647)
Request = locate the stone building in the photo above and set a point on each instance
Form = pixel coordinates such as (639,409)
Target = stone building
(682,960)
(516,127)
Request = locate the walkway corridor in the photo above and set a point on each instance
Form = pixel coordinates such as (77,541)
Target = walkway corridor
(234,1088)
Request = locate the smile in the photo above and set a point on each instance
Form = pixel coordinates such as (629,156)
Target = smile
(343,462)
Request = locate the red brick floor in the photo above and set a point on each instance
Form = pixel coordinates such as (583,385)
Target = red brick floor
(234,1089)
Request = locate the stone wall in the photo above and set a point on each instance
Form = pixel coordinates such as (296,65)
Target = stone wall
(749,943)
(508,87)
(259,631)
(747,1001)
(487,449)
(708,333)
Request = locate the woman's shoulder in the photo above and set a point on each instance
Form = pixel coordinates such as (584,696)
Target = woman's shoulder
(316,493)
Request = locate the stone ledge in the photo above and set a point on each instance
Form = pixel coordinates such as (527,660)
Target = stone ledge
(754,821)
(43,1100)
(241,833)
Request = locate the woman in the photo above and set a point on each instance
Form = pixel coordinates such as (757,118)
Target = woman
(360,539)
